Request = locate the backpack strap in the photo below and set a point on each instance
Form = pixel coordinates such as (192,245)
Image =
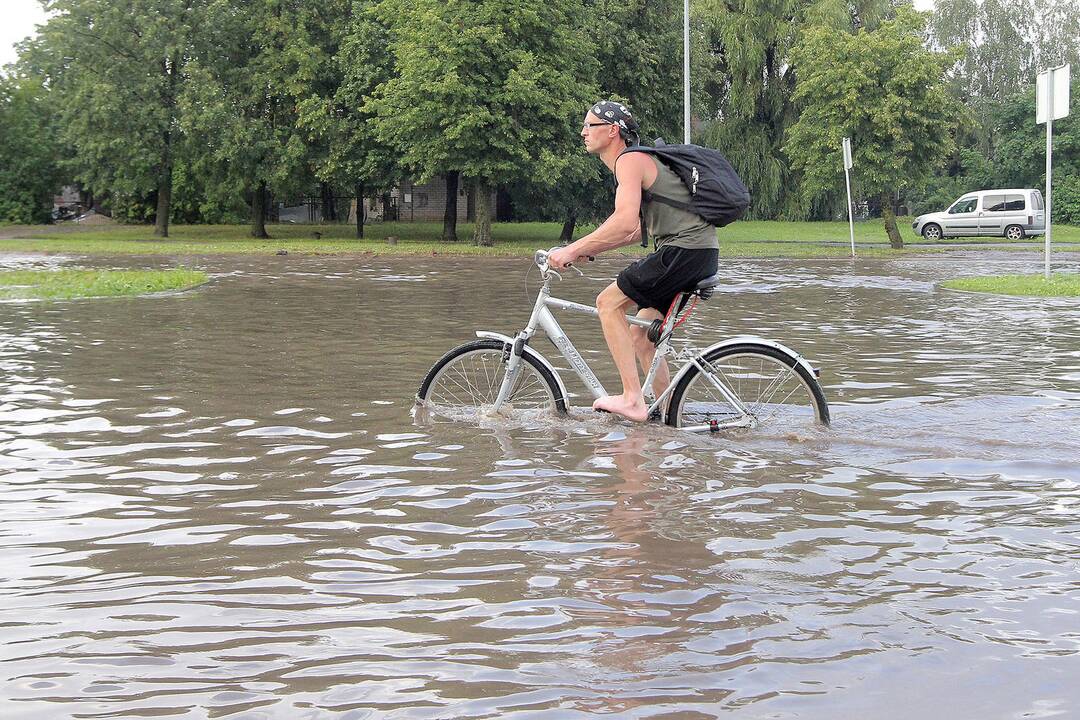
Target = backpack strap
(669,202)
(646,196)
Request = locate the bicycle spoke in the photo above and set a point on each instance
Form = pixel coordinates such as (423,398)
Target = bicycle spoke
(470,390)
(765,397)
(771,389)
(472,380)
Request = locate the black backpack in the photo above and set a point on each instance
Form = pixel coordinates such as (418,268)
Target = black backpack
(717,194)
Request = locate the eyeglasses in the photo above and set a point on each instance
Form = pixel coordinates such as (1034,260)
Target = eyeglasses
(586,126)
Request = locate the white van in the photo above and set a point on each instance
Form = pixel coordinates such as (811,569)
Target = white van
(1009,213)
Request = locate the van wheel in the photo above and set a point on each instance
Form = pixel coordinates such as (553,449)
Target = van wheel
(1014,232)
(931,231)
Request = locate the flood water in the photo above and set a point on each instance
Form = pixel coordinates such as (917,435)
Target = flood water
(217,504)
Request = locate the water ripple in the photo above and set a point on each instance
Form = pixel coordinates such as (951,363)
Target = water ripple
(172,549)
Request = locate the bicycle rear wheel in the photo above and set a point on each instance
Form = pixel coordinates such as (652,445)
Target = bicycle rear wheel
(467,379)
(777,390)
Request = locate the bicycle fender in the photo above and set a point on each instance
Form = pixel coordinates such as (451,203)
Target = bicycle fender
(535,355)
(749,340)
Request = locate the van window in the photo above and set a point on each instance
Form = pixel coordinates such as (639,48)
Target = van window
(1014,202)
(1037,197)
(993,203)
(964,205)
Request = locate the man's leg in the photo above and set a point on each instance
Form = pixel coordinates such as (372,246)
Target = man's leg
(612,305)
(646,350)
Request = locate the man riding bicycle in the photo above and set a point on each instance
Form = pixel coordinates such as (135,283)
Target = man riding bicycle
(686,250)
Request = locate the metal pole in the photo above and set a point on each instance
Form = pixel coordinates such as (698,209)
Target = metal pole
(1049,131)
(850,212)
(686,71)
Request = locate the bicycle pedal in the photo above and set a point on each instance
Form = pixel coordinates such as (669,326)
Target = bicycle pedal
(601,410)
(654,416)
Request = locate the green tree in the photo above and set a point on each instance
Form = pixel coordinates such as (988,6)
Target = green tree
(118,69)
(29,154)
(996,60)
(639,61)
(355,60)
(885,91)
(1021,160)
(1056,37)
(639,46)
(584,192)
(747,81)
(243,99)
(1001,45)
(494,89)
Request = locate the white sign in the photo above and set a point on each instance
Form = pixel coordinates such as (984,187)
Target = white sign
(1052,86)
(847,182)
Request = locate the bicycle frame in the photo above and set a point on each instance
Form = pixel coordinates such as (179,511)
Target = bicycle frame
(543,318)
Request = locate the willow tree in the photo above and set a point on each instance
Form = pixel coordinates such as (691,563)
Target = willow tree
(886,91)
(485,87)
(746,82)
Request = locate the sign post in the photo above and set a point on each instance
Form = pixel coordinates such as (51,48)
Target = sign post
(847,181)
(1051,103)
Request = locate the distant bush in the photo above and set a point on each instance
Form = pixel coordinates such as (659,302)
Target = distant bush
(1065,203)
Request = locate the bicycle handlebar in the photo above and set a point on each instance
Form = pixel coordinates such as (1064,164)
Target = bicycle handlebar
(541,260)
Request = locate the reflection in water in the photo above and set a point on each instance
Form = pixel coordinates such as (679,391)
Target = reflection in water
(217,504)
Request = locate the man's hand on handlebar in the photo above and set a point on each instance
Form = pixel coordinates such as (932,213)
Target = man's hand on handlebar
(562,258)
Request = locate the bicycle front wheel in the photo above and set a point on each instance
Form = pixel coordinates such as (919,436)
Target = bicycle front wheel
(466,381)
(777,391)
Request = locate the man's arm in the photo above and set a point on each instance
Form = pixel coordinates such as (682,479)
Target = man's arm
(623,226)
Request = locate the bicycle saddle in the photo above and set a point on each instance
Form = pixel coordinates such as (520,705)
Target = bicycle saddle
(704,288)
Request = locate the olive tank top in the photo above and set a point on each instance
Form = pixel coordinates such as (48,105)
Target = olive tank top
(668,225)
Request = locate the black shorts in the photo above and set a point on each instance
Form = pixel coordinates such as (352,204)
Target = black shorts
(655,280)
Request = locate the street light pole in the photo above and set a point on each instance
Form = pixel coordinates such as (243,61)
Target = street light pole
(686,71)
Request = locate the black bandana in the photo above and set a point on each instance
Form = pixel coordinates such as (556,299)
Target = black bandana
(616,114)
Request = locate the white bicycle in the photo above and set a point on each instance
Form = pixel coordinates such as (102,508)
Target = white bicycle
(741,382)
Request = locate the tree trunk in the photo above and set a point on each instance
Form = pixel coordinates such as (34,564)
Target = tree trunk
(449,225)
(164,203)
(482,229)
(895,241)
(329,204)
(386,208)
(568,228)
(359,211)
(258,212)
(170,70)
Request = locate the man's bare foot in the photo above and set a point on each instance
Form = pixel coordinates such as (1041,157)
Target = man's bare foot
(618,404)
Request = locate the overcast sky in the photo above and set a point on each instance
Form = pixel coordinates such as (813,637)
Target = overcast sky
(21,17)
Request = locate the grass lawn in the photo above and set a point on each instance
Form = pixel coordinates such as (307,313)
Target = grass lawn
(1059,285)
(68,284)
(741,239)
